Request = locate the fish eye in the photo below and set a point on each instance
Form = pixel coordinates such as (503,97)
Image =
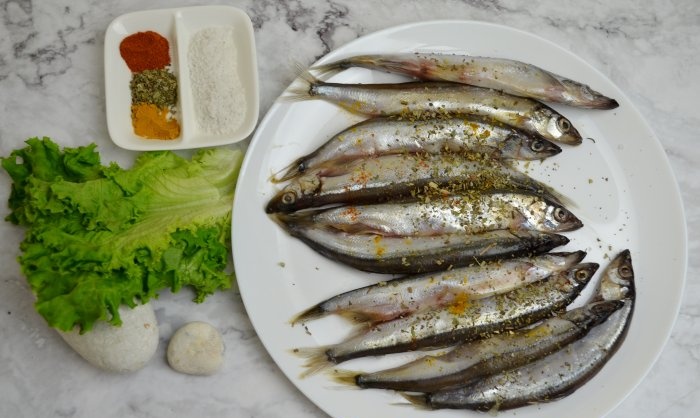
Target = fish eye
(625,271)
(582,274)
(563,124)
(289,198)
(537,146)
(561,214)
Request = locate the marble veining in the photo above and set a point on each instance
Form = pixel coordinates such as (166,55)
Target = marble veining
(51,83)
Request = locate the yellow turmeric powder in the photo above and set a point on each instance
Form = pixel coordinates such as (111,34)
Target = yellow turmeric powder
(152,122)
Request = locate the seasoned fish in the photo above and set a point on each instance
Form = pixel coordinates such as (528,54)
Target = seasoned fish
(399,297)
(510,76)
(558,374)
(467,214)
(421,100)
(475,360)
(462,321)
(384,136)
(395,177)
(421,254)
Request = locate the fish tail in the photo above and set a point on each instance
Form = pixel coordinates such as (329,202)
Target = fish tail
(316,359)
(345,377)
(313,312)
(302,87)
(561,198)
(332,68)
(550,193)
(420,401)
(325,71)
(373,62)
(295,169)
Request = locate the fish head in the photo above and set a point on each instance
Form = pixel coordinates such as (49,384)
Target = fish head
(558,261)
(580,274)
(600,311)
(593,313)
(558,218)
(557,127)
(526,147)
(288,199)
(617,281)
(545,215)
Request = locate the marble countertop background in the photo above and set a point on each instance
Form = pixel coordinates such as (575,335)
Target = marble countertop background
(51,83)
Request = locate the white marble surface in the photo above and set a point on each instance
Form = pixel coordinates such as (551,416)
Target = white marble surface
(51,83)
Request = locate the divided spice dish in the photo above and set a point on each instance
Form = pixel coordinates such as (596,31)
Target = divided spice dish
(199,110)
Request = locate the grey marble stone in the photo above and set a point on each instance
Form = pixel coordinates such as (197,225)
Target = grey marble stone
(51,83)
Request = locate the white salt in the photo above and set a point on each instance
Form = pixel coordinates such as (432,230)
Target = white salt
(218,94)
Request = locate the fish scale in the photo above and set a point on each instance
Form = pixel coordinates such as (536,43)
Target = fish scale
(462,321)
(386,136)
(475,360)
(433,99)
(421,254)
(562,372)
(511,76)
(399,297)
(397,177)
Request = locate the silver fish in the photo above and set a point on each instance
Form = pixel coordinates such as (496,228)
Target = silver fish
(558,374)
(432,99)
(510,76)
(462,321)
(384,136)
(399,297)
(421,254)
(393,177)
(462,214)
(475,360)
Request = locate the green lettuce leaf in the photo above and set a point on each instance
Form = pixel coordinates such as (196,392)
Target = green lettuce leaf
(100,236)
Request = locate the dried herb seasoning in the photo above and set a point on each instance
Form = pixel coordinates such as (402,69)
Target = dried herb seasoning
(157,87)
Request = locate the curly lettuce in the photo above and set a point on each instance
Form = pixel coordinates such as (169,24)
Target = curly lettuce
(101,236)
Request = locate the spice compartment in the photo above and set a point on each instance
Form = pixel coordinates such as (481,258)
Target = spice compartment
(197,117)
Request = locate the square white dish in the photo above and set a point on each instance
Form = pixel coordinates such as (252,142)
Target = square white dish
(178,25)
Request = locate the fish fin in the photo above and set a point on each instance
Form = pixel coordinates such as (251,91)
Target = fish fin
(301,87)
(359,328)
(316,359)
(295,169)
(550,193)
(561,198)
(543,190)
(344,377)
(326,71)
(420,401)
(313,312)
(359,318)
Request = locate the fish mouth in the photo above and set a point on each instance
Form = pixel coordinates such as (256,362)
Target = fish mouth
(551,149)
(275,205)
(574,224)
(571,137)
(604,103)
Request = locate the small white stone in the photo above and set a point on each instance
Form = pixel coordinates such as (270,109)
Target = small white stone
(125,348)
(196,348)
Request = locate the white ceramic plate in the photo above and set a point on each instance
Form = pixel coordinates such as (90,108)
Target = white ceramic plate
(178,26)
(620,179)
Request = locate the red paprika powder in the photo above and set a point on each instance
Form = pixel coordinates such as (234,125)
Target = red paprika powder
(145,51)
